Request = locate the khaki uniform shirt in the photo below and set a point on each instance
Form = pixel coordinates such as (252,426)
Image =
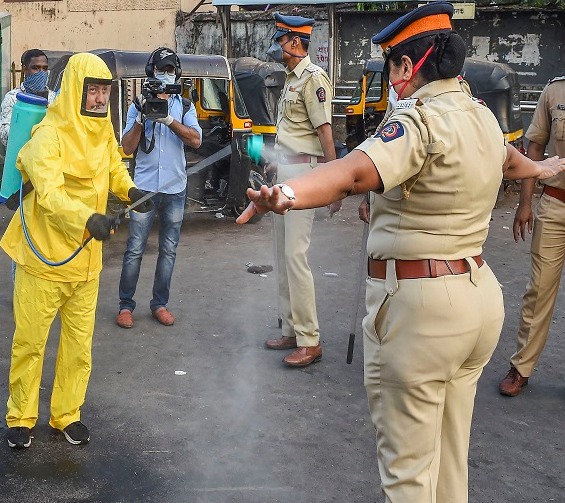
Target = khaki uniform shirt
(452,169)
(304,105)
(548,124)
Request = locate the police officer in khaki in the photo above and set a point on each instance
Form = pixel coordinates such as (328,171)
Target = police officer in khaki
(548,239)
(435,308)
(304,139)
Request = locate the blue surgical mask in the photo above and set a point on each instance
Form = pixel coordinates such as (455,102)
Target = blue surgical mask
(36,82)
(165,78)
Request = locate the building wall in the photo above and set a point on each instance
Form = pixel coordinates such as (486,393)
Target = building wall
(532,42)
(80,25)
(251,35)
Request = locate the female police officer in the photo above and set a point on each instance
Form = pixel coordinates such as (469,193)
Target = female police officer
(435,309)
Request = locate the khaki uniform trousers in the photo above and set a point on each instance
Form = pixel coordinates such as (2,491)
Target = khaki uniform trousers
(36,303)
(426,343)
(547,257)
(297,297)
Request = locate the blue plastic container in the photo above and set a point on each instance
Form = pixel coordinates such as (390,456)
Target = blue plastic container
(28,111)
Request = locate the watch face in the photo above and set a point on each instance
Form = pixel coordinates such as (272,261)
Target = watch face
(287,191)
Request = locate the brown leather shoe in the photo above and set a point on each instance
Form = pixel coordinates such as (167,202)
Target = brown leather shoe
(282,343)
(513,383)
(304,356)
(125,318)
(164,316)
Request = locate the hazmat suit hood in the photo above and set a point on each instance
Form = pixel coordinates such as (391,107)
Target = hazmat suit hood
(80,134)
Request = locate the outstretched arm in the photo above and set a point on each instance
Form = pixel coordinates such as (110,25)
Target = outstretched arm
(353,174)
(518,166)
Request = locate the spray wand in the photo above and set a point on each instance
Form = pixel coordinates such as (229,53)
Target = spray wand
(115,219)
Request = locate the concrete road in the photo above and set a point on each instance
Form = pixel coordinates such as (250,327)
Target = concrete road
(239,427)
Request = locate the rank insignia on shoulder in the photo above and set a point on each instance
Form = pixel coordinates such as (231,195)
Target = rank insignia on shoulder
(391,131)
(321,94)
(479,100)
(406,104)
(560,106)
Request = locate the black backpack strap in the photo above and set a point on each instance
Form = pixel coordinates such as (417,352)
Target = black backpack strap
(186,105)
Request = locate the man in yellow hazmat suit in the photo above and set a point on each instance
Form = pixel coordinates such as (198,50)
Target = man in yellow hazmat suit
(72,161)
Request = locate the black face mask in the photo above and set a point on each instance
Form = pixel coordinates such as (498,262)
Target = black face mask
(275,52)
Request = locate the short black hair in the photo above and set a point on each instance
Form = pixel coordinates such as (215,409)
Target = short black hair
(445,61)
(32,53)
(304,40)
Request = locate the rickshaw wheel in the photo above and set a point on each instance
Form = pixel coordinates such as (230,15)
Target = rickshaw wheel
(255,182)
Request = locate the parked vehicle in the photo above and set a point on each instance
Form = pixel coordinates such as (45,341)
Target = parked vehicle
(495,83)
(261,85)
(219,172)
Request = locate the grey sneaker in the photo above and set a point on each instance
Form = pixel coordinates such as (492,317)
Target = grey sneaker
(19,437)
(77,433)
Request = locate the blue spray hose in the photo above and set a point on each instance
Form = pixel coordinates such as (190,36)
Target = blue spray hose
(32,246)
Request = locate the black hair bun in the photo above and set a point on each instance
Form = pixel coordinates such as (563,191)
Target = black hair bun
(450,52)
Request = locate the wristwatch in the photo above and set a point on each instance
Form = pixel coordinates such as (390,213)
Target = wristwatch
(287,191)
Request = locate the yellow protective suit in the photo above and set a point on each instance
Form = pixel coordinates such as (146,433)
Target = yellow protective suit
(72,161)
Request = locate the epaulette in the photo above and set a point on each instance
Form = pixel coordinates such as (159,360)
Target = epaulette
(555,79)
(312,68)
(479,100)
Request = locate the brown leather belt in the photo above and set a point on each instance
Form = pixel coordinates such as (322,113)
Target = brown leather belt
(424,268)
(554,192)
(302,158)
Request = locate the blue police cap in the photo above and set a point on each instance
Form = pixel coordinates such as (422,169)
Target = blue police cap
(431,18)
(295,24)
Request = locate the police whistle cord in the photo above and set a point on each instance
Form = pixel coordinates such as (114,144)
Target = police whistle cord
(361,273)
(114,220)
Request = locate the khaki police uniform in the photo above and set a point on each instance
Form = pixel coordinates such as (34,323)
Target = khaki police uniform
(304,105)
(548,238)
(427,340)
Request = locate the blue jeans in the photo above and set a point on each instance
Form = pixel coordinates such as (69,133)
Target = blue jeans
(170,209)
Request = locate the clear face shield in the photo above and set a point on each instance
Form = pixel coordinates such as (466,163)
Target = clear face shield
(95,97)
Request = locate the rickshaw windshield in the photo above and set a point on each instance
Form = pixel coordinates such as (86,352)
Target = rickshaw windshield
(240,108)
(374,91)
(356,97)
(215,95)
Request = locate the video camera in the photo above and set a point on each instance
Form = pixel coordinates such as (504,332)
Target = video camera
(154,107)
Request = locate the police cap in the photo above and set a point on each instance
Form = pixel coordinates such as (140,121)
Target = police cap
(426,20)
(294,24)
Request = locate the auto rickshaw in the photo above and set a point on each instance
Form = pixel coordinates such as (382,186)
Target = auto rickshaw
(261,85)
(219,172)
(495,83)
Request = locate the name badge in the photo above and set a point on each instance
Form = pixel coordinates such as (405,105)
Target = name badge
(406,104)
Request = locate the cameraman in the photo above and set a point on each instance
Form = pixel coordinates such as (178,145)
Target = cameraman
(159,167)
